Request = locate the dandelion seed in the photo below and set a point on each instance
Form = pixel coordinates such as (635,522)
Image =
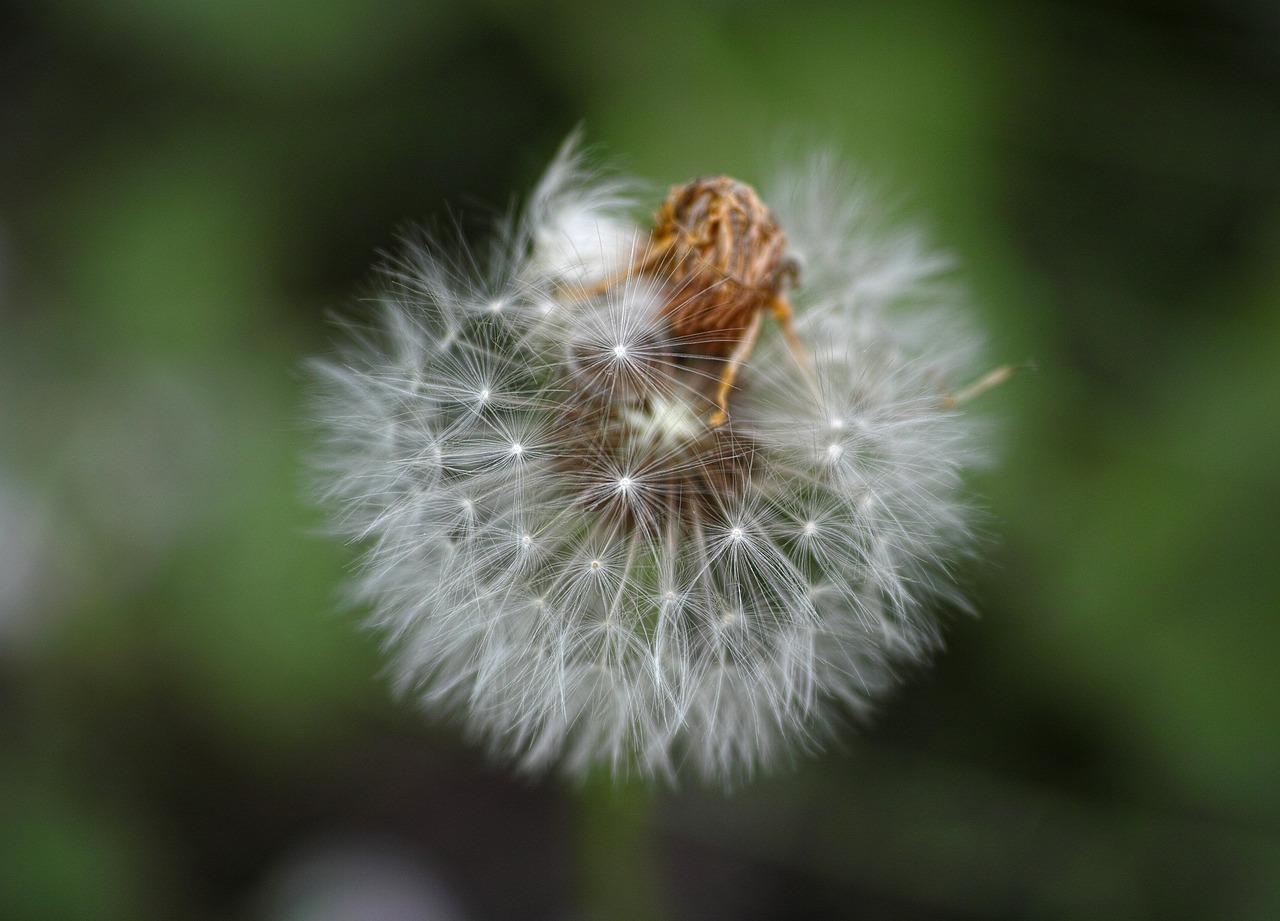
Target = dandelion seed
(614,517)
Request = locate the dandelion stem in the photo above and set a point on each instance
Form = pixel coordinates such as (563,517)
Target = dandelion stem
(615,860)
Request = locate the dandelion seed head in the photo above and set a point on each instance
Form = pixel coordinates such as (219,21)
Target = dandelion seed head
(569,558)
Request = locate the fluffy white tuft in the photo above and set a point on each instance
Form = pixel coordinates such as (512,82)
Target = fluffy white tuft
(565,556)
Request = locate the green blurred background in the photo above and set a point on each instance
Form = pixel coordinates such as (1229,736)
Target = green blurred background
(189,726)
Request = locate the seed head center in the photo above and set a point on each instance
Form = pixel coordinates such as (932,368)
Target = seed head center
(663,421)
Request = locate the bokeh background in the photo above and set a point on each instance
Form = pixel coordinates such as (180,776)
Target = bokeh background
(189,191)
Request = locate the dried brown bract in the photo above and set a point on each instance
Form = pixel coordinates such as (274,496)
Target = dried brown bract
(723,260)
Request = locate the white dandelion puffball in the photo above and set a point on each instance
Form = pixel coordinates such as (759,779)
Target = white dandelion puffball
(662,495)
